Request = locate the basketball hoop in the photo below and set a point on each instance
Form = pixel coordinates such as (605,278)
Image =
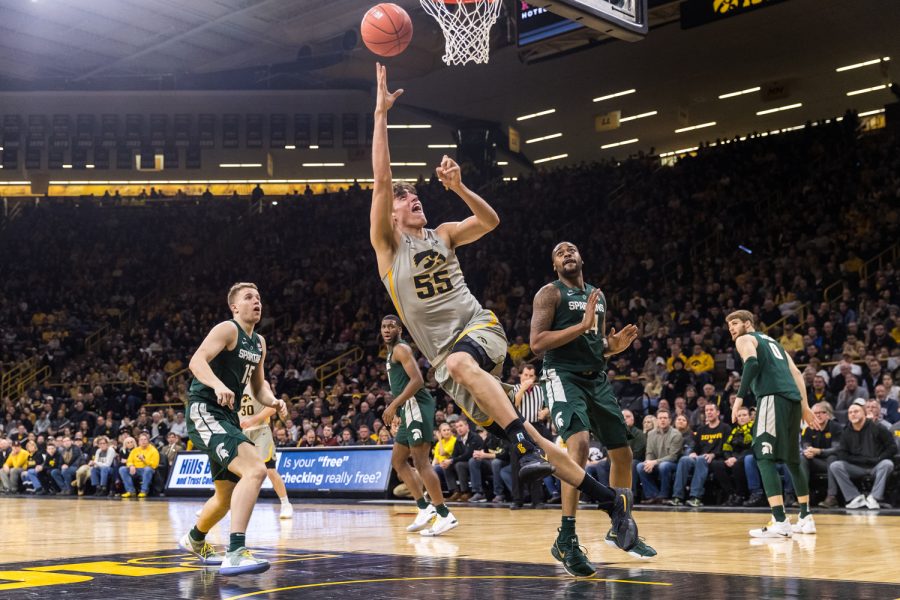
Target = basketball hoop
(467,27)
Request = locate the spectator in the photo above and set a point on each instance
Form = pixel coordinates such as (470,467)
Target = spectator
(384,437)
(16,464)
(346,438)
(443,450)
(179,427)
(456,468)
(480,465)
(866,449)
(40,462)
(873,413)
(311,440)
(364,437)
(738,450)
(791,341)
(519,351)
(70,460)
(850,393)
(887,406)
(531,402)
(819,392)
(708,446)
(819,449)
(101,466)
(677,380)
(701,365)
(664,447)
(144,460)
(328,437)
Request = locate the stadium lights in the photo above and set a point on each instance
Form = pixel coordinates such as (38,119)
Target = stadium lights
(622,143)
(693,127)
(768,111)
(88,166)
(874,88)
(410,126)
(313,147)
(677,152)
(502,163)
(874,61)
(640,116)
(442,145)
(549,111)
(739,93)
(542,138)
(238,165)
(549,158)
(408,164)
(616,95)
(323,164)
(290,147)
(869,113)
(67,166)
(510,179)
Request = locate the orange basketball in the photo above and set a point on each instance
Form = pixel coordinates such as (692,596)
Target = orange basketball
(386,29)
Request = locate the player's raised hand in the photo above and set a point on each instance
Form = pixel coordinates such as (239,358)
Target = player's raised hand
(385,99)
(449,173)
(225,397)
(589,321)
(622,340)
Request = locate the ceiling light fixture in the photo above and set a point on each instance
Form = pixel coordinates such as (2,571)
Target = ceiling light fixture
(549,158)
(693,127)
(622,143)
(616,95)
(640,116)
(739,93)
(769,111)
(549,111)
(543,138)
(874,88)
(874,61)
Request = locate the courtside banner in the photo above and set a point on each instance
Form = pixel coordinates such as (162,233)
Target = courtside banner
(351,470)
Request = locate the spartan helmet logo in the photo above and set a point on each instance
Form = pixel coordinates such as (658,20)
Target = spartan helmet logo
(766,448)
(221,452)
(429,259)
(559,422)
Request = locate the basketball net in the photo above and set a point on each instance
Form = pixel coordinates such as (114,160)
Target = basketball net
(467,28)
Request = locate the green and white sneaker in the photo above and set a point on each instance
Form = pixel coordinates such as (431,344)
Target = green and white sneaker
(640,550)
(202,550)
(241,562)
(572,557)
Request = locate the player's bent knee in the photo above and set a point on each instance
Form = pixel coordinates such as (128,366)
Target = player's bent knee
(461,366)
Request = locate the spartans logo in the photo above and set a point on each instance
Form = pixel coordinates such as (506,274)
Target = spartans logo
(221,452)
(766,448)
(559,422)
(417,435)
(428,259)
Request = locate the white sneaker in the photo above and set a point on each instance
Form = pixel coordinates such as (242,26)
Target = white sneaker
(202,550)
(287,511)
(440,525)
(858,502)
(804,525)
(872,503)
(775,529)
(241,562)
(423,519)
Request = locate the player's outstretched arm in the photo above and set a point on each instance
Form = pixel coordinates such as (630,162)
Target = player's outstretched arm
(544,306)
(261,389)
(381,228)
(223,335)
(404,356)
(483,219)
(746,347)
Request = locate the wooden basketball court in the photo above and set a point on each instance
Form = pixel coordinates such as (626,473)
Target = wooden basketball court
(91,548)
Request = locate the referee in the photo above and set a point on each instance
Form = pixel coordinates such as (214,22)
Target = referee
(531,402)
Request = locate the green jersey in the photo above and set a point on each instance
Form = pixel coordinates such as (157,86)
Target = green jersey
(399,379)
(774,370)
(584,353)
(233,367)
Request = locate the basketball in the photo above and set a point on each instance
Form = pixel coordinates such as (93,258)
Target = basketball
(386,29)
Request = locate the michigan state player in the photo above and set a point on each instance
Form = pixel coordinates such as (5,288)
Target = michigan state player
(770,373)
(254,418)
(231,356)
(567,326)
(415,407)
(464,342)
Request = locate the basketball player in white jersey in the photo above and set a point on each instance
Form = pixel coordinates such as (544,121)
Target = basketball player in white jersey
(254,418)
(464,342)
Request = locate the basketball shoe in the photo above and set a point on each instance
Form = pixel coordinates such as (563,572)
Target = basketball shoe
(441,525)
(241,562)
(775,529)
(804,525)
(423,519)
(626,530)
(203,550)
(641,550)
(571,554)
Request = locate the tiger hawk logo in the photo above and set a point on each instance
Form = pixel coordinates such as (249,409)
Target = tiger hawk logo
(428,259)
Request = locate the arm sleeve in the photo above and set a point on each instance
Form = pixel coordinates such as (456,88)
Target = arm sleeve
(751,370)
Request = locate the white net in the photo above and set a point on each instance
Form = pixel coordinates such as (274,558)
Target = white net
(466,26)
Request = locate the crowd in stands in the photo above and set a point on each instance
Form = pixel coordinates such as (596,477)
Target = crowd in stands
(769,224)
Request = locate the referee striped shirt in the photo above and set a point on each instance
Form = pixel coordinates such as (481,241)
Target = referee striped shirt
(532,402)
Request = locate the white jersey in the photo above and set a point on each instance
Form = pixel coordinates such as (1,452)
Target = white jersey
(430,294)
(251,407)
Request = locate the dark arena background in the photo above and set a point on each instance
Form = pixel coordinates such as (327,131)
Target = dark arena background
(704,156)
